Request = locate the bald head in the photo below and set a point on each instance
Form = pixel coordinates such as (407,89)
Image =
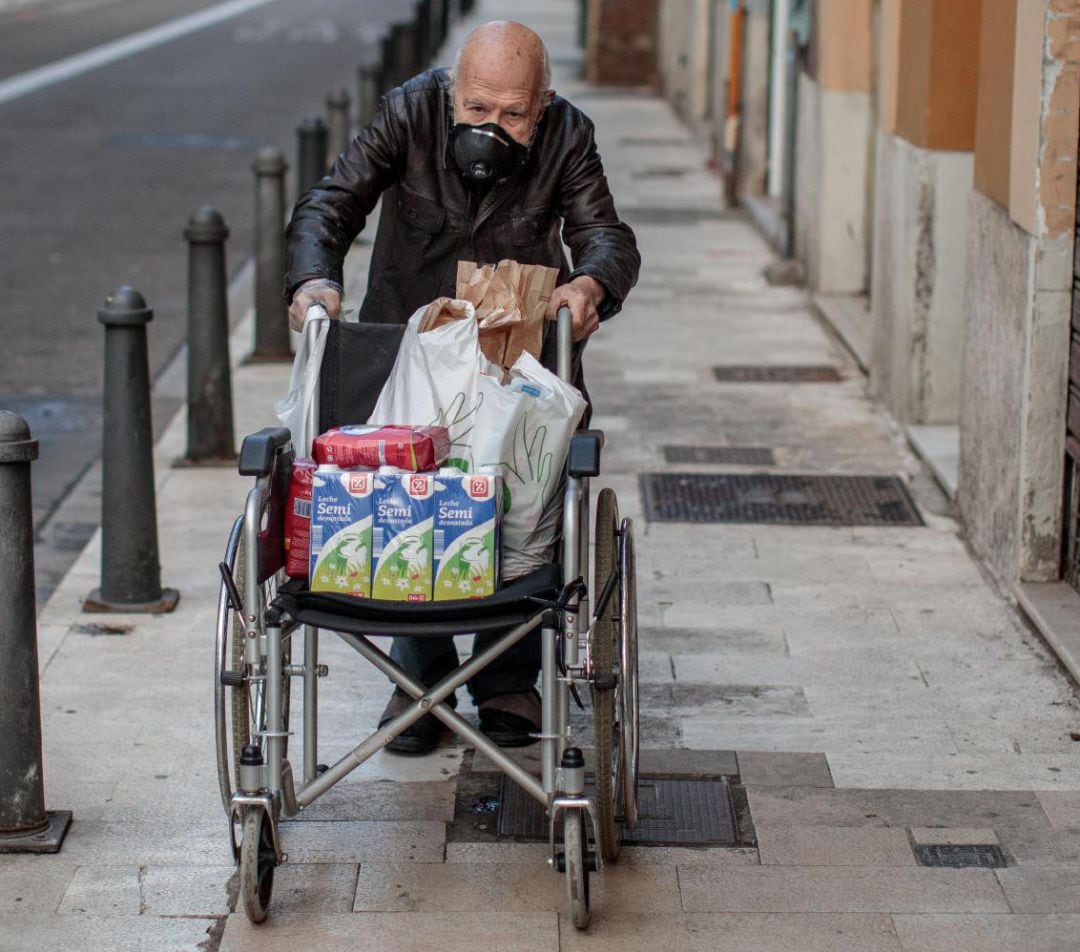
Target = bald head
(502,75)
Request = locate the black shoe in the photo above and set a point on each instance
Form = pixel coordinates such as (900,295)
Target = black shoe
(419,738)
(511,720)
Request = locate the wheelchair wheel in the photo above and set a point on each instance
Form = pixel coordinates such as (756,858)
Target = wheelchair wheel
(575,863)
(257,862)
(630,737)
(241,711)
(606,651)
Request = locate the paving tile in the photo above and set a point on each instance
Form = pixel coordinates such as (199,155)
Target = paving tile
(940,770)
(967,933)
(103,891)
(313,888)
(113,933)
(394,932)
(1031,889)
(1047,847)
(945,836)
(759,768)
(188,890)
(833,846)
(33,883)
(172,842)
(801,806)
(701,932)
(384,800)
(347,841)
(840,889)
(448,887)
(716,640)
(1062,808)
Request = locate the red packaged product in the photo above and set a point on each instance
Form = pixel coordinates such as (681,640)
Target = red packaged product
(298,518)
(415,448)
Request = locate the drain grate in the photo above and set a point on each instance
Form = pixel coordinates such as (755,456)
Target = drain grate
(788,374)
(661,171)
(672,812)
(730,455)
(778,499)
(960,857)
(662,215)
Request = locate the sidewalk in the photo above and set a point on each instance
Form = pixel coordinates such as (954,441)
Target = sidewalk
(864,688)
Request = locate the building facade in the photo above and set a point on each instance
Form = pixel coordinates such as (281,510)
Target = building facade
(917,159)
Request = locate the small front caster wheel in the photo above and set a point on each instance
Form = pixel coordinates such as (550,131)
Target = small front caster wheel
(575,864)
(257,862)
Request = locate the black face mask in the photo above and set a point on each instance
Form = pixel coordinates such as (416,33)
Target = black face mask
(486,153)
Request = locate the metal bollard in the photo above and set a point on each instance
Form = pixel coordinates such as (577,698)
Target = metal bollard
(404,35)
(130,570)
(310,153)
(209,379)
(367,93)
(337,125)
(25,825)
(424,37)
(271,312)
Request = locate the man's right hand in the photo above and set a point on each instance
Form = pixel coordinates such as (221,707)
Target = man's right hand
(315,291)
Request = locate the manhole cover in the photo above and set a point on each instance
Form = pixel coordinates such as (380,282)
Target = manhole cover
(672,812)
(652,141)
(958,857)
(731,455)
(764,374)
(661,171)
(778,499)
(645,215)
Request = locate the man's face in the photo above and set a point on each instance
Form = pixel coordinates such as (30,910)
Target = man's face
(506,97)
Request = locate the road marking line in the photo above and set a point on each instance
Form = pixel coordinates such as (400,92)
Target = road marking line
(72,66)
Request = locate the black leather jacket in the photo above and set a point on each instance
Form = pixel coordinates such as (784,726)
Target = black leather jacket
(430,219)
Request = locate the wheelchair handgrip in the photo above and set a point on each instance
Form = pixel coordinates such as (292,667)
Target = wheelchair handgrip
(565,330)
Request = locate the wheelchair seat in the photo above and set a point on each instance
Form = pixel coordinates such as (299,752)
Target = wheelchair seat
(517,602)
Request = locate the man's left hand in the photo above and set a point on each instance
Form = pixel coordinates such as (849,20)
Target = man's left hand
(583,296)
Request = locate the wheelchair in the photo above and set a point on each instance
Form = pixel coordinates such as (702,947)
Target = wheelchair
(588,638)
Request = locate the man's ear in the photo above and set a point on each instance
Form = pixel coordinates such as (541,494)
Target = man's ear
(545,98)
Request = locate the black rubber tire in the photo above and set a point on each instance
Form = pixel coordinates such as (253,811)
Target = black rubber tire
(246,709)
(257,863)
(605,652)
(576,868)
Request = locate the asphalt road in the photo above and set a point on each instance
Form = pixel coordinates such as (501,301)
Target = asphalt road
(99,174)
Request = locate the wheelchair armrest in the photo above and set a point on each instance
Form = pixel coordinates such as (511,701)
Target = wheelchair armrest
(259,449)
(584,458)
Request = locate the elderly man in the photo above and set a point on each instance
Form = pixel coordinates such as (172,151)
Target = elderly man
(479,164)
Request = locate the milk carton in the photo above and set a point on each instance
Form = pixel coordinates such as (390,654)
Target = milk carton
(468,508)
(341,525)
(402,509)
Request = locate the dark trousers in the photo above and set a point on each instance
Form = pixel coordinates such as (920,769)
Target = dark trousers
(431,659)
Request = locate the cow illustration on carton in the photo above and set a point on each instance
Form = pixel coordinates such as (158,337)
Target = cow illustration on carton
(402,517)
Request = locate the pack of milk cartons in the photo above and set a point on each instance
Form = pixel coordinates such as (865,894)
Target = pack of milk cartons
(468,509)
(341,531)
(402,521)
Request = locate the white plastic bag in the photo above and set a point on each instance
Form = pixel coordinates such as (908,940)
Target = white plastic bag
(294,410)
(524,426)
(434,379)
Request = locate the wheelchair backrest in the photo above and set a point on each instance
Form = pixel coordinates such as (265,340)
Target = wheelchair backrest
(356,363)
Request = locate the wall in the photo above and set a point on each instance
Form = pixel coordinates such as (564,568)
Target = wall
(622,42)
(834,146)
(1019,287)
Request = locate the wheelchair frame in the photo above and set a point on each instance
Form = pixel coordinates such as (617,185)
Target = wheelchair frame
(264,788)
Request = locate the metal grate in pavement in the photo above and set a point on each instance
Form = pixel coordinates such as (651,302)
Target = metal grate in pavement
(961,856)
(729,455)
(741,373)
(778,499)
(660,215)
(672,812)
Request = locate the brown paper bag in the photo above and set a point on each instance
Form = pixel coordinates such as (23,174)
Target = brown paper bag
(510,301)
